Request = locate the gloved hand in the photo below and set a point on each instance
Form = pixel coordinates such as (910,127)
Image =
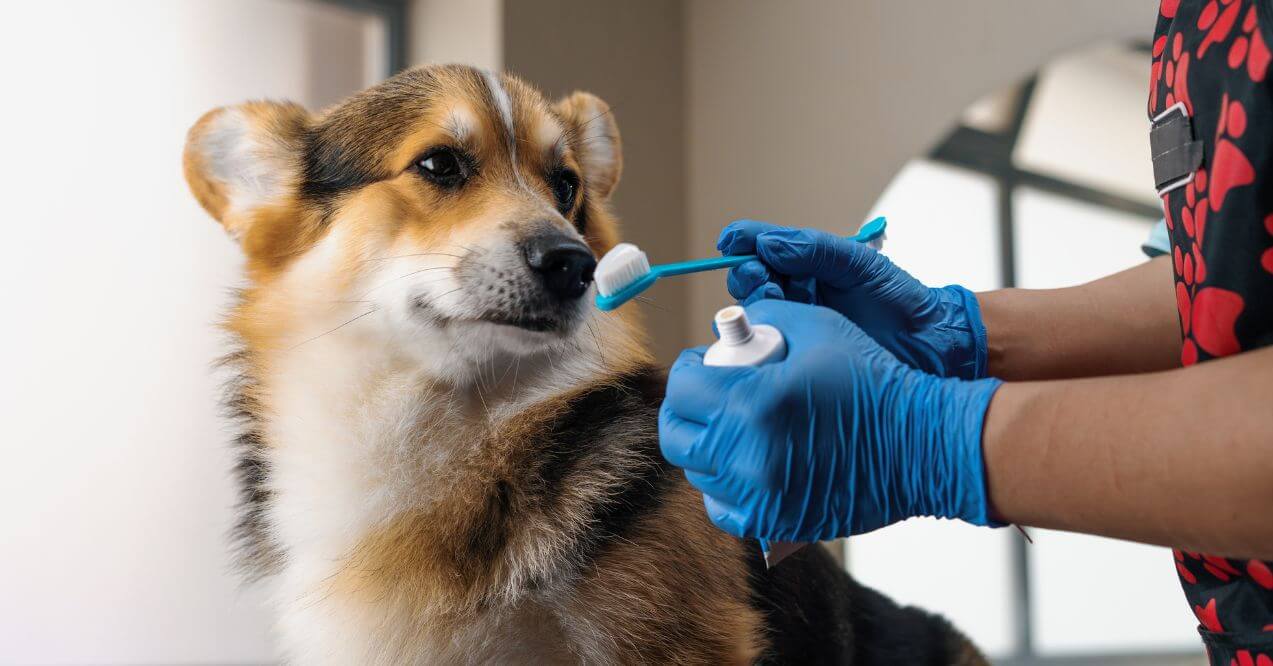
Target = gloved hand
(938,330)
(837,439)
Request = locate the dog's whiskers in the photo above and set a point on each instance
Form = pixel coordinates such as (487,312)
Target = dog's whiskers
(650,302)
(465,248)
(596,341)
(573,132)
(485,408)
(549,357)
(401,277)
(333,330)
(517,368)
(416,254)
(435,299)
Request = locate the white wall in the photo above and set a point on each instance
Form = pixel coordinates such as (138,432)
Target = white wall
(114,483)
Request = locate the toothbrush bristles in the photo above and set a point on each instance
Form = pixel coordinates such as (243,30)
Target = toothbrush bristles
(624,264)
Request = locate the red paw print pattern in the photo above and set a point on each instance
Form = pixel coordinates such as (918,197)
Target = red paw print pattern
(1266,259)
(1208,314)
(1250,49)
(1222,570)
(1185,574)
(1208,617)
(1155,74)
(1172,66)
(1217,18)
(1260,573)
(1212,57)
(1247,658)
(1230,166)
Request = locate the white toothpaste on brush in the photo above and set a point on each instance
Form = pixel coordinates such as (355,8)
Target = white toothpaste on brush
(741,343)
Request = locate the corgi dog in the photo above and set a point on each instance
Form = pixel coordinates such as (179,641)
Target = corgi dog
(447,454)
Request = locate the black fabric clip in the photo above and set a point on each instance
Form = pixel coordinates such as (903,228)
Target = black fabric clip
(1176,154)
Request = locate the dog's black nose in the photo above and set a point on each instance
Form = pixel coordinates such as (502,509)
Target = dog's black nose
(564,265)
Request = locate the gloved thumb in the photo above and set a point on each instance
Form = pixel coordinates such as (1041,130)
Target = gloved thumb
(801,324)
(696,391)
(808,328)
(725,516)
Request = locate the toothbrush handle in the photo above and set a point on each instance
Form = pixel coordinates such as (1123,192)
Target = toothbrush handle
(697,265)
(869,232)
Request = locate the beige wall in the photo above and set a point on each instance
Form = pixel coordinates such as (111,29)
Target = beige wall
(467,31)
(630,54)
(801,111)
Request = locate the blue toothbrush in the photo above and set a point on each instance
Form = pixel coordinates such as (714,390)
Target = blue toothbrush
(624,272)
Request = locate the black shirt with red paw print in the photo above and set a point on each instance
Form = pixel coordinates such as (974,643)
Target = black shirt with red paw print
(1212,57)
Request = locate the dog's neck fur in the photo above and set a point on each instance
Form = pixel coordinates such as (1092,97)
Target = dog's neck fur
(361,434)
(356,436)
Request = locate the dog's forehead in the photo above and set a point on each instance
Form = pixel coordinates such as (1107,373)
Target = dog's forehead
(378,130)
(535,121)
(499,110)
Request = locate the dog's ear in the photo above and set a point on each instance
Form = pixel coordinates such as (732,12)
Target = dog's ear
(241,160)
(597,140)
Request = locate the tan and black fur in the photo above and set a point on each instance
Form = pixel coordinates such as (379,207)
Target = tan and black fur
(446,455)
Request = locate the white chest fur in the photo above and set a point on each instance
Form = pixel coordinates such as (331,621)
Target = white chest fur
(354,442)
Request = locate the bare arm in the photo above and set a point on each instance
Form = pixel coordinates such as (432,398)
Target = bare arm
(1121,324)
(1181,458)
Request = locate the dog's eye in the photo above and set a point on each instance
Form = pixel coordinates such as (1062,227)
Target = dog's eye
(565,184)
(444,167)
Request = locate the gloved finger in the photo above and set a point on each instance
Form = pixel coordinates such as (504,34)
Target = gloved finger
(695,391)
(742,280)
(721,485)
(689,357)
(726,516)
(679,442)
(739,236)
(812,253)
(766,290)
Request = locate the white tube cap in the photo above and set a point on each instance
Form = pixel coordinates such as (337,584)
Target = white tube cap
(733,325)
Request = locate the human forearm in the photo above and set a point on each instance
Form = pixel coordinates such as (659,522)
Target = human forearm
(1121,324)
(1178,458)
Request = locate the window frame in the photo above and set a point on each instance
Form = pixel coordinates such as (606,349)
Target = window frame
(394,15)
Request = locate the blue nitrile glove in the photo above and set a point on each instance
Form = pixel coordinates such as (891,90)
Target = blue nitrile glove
(938,330)
(838,438)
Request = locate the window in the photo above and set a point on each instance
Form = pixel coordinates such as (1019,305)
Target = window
(1045,184)
(942,228)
